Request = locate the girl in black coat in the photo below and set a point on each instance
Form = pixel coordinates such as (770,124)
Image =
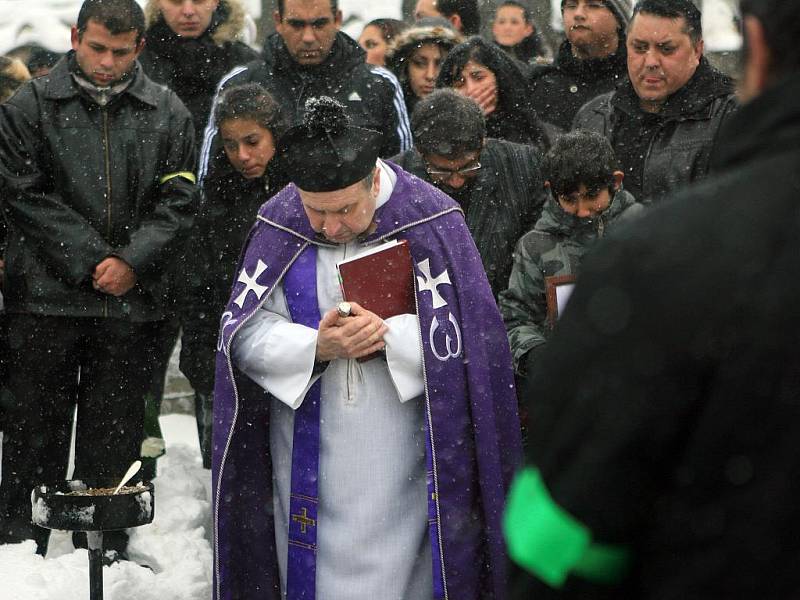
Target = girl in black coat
(249,122)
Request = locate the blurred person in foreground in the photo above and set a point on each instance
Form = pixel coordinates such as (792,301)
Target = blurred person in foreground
(349,480)
(496,183)
(663,120)
(664,447)
(96,160)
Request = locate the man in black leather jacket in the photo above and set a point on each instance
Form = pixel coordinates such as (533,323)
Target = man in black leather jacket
(663,120)
(97,161)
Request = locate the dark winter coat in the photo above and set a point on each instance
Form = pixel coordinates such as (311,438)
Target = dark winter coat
(663,151)
(555,247)
(85,183)
(515,119)
(192,68)
(212,255)
(503,203)
(673,435)
(561,89)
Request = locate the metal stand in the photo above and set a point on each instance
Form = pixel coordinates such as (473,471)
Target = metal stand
(95,543)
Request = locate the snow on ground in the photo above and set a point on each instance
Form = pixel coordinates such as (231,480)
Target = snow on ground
(176,545)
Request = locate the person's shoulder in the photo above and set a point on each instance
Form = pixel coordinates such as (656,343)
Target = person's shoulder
(599,107)
(513,150)
(421,199)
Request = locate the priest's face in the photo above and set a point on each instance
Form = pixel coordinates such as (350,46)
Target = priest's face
(342,215)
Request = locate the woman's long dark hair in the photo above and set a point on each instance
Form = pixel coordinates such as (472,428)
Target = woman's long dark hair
(514,119)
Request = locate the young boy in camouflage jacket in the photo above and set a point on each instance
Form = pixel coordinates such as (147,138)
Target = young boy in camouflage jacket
(586,198)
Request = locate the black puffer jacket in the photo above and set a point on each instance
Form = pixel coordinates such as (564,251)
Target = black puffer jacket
(366,91)
(561,89)
(192,68)
(663,151)
(86,182)
(502,205)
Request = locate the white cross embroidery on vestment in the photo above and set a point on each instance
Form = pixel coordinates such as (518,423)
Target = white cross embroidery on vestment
(429,283)
(251,284)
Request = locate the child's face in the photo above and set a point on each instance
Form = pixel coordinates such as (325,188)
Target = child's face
(582,204)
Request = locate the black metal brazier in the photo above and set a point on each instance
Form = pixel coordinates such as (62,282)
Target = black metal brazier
(89,505)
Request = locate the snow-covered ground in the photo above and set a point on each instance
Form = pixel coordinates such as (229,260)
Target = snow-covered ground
(177,545)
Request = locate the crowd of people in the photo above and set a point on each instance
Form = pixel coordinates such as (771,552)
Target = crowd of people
(594,393)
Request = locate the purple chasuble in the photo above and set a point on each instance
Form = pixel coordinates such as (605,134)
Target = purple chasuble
(470,404)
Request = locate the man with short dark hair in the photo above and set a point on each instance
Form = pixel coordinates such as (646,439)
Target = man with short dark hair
(464,15)
(663,120)
(590,61)
(496,183)
(664,450)
(97,166)
(308,56)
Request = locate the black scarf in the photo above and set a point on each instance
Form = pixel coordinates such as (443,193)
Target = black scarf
(198,66)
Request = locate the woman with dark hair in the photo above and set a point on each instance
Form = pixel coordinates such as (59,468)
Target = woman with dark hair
(249,122)
(376,37)
(416,56)
(482,71)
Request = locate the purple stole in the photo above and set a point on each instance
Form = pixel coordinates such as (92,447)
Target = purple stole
(300,290)
(300,286)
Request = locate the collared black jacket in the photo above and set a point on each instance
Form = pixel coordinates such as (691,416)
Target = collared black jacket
(84,183)
(677,148)
(503,204)
(561,89)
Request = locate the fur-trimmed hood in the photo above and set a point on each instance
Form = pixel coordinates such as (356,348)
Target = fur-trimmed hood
(230,29)
(405,43)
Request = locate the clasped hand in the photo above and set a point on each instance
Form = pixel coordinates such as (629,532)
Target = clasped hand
(355,336)
(113,276)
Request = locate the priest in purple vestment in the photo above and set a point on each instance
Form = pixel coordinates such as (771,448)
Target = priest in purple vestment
(336,478)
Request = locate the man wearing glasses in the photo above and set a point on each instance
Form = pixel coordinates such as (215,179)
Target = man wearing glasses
(497,183)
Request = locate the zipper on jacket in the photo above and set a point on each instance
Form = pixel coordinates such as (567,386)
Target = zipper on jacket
(107,159)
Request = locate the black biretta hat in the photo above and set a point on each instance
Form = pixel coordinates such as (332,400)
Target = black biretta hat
(325,152)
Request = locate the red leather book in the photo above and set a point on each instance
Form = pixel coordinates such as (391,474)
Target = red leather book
(380,279)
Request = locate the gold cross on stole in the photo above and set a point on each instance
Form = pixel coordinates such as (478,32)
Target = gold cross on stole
(304,520)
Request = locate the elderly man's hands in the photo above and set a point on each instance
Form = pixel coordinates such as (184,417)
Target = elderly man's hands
(355,336)
(113,276)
